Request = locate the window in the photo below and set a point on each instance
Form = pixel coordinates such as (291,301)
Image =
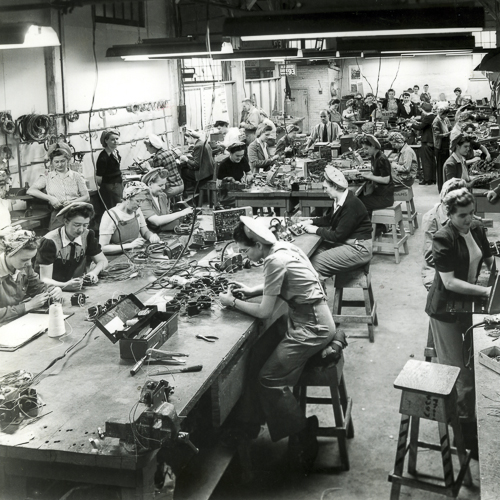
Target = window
(125,13)
(201,70)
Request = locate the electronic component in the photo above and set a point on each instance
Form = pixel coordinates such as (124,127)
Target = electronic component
(173,250)
(78,299)
(16,402)
(226,220)
(296,230)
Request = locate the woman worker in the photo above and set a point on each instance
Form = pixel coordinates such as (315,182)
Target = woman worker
(379,191)
(288,274)
(18,281)
(441,128)
(200,166)
(156,205)
(62,185)
(285,144)
(62,256)
(404,168)
(124,227)
(258,151)
(458,250)
(108,174)
(456,165)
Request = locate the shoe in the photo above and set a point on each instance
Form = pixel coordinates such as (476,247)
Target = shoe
(423,183)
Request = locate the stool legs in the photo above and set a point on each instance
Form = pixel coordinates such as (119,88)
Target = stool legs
(400,456)
(412,454)
(444,439)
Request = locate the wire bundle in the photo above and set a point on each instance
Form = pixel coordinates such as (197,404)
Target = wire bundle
(34,128)
(7,124)
(119,272)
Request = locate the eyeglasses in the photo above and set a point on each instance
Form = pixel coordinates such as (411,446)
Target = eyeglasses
(243,251)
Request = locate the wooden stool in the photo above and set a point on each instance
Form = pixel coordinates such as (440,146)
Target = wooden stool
(332,377)
(410,216)
(429,392)
(210,191)
(390,244)
(357,278)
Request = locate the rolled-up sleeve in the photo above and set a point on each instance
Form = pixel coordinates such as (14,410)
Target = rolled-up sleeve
(274,275)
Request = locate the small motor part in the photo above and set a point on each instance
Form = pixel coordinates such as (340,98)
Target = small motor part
(78,299)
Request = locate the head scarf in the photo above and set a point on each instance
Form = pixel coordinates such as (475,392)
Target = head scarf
(291,128)
(146,178)
(133,188)
(334,175)
(257,232)
(192,133)
(76,204)
(236,146)
(396,137)
(59,149)
(16,240)
(105,135)
(350,102)
(373,141)
(155,141)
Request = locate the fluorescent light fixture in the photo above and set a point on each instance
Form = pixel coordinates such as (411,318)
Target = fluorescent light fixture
(256,55)
(416,21)
(24,36)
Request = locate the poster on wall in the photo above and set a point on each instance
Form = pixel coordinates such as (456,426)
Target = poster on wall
(354,78)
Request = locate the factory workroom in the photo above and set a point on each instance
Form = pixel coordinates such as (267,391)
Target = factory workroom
(249,250)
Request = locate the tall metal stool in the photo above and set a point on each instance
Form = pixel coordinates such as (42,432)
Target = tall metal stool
(429,392)
(332,377)
(410,215)
(357,278)
(390,244)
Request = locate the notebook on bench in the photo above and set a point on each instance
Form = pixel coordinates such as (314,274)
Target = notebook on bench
(480,305)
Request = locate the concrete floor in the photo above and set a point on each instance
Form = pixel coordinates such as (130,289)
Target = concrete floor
(370,371)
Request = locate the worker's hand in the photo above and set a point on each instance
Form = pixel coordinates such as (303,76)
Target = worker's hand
(74,285)
(311,229)
(187,211)
(66,203)
(474,160)
(488,158)
(93,276)
(137,243)
(487,291)
(367,175)
(154,238)
(55,293)
(242,125)
(36,302)
(248,178)
(491,196)
(54,201)
(240,289)
(306,222)
(226,299)
(183,158)
(274,157)
(288,149)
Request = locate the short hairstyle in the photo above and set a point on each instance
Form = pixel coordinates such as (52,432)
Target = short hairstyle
(266,128)
(239,235)
(247,100)
(416,86)
(105,135)
(443,108)
(369,94)
(161,174)
(406,93)
(334,101)
(469,125)
(458,198)
(82,211)
(391,90)
(451,185)
(221,123)
(459,141)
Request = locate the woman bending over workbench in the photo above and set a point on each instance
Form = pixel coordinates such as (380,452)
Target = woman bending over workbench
(458,250)
(123,227)
(63,252)
(288,274)
(18,281)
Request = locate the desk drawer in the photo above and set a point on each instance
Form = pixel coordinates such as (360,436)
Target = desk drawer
(228,388)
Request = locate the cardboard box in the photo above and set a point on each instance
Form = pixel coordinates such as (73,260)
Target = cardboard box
(487,358)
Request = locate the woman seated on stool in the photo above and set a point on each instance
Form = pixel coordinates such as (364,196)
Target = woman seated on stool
(62,185)
(404,168)
(379,191)
(456,165)
(346,229)
(458,250)
(288,274)
(123,227)
(63,252)
(18,281)
(285,145)
(156,205)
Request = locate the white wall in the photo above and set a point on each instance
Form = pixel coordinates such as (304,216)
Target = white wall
(441,73)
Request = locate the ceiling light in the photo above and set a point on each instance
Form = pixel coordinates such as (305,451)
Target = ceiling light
(25,35)
(257,54)
(404,21)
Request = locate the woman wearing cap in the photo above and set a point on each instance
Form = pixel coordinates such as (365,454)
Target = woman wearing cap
(349,116)
(123,227)
(379,191)
(456,165)
(285,144)
(63,252)
(259,156)
(108,173)
(346,229)
(165,159)
(404,168)
(458,250)
(200,165)
(288,274)
(156,205)
(18,281)
(441,128)
(62,186)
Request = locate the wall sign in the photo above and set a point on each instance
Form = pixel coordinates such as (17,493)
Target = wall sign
(288,69)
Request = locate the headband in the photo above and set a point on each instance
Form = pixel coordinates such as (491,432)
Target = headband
(236,146)
(76,204)
(17,240)
(133,188)
(59,149)
(146,178)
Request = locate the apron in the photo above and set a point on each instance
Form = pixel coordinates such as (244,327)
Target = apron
(129,230)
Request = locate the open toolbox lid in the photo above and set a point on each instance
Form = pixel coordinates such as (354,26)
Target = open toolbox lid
(112,322)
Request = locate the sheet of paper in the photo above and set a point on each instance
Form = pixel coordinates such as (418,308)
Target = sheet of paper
(115,324)
(22,329)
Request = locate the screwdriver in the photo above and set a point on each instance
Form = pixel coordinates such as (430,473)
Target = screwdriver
(195,368)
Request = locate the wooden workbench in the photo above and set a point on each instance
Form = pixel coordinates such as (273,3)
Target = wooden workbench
(267,197)
(92,385)
(487,386)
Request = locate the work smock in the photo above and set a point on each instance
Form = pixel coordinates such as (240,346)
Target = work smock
(130,225)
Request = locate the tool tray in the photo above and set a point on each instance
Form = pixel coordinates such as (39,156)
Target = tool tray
(132,345)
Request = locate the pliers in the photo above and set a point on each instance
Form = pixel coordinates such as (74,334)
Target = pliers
(207,338)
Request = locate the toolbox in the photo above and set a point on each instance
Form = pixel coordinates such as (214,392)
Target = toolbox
(152,329)
(488,357)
